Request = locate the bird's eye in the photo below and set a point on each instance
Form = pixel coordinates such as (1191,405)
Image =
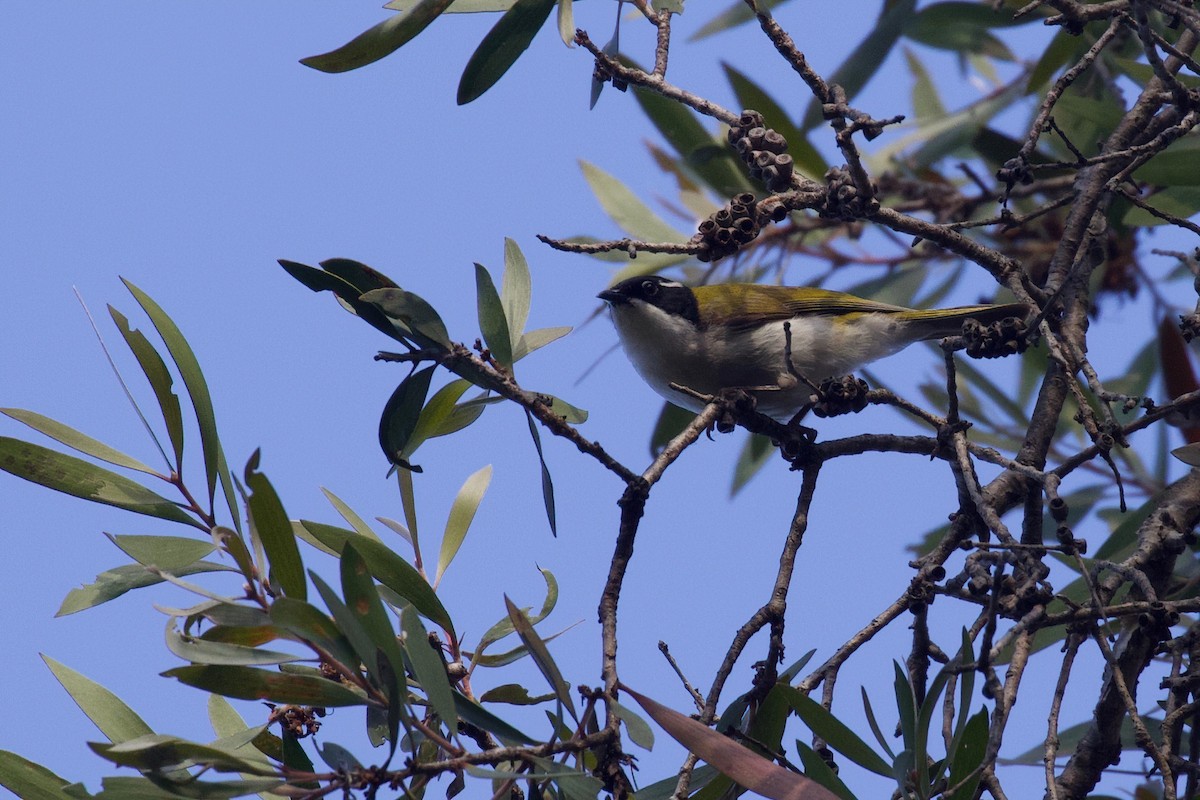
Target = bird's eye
(649,288)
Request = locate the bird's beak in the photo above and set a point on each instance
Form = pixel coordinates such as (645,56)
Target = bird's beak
(612,296)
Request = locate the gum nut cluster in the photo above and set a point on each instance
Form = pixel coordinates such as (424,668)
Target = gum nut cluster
(997,340)
(763,150)
(728,229)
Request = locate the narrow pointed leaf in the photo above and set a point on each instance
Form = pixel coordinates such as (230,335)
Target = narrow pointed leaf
(626,209)
(347,513)
(835,732)
(160,379)
(639,731)
(751,95)
(248,683)
(418,320)
(168,553)
(462,512)
(113,583)
(537,339)
(200,651)
(501,47)
(401,414)
(193,380)
(80,478)
(478,715)
(816,768)
(440,416)
(379,41)
(707,156)
(275,532)
(516,288)
(389,569)
(492,322)
(305,621)
(541,656)
(30,781)
(116,720)
(968,756)
(76,440)
(547,481)
(866,59)
(429,668)
(747,768)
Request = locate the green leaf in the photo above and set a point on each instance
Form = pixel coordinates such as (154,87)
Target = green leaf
(305,621)
(926,103)
(161,752)
(30,781)
(754,455)
(479,716)
(160,380)
(417,320)
(640,732)
(429,668)
(816,768)
(1188,454)
(79,478)
(1179,201)
(537,339)
(347,513)
(275,532)
(969,756)
(671,422)
(835,732)
(739,13)
(379,41)
(168,553)
(197,388)
(501,47)
(113,583)
(492,322)
(547,480)
(866,59)
(248,683)
(623,206)
(568,412)
(116,720)
(389,569)
(401,415)
(199,651)
(516,289)
(441,416)
(541,656)
(750,95)
(709,157)
(962,27)
(462,512)
(514,694)
(76,440)
(749,769)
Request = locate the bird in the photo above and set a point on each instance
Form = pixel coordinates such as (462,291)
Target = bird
(738,336)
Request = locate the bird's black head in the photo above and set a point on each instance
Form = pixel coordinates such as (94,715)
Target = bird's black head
(663,293)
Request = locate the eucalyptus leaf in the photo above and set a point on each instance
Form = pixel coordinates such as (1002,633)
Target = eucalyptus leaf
(249,683)
(501,47)
(381,40)
(462,512)
(116,720)
(76,440)
(74,476)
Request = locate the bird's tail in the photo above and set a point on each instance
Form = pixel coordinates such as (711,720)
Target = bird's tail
(934,323)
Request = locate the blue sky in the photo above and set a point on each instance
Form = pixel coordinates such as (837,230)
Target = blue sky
(183,147)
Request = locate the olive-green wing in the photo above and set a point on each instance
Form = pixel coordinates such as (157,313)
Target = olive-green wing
(746,305)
